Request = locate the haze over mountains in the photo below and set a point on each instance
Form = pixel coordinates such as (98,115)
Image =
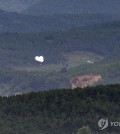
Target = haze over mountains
(16,5)
(74,7)
(38,7)
(53,15)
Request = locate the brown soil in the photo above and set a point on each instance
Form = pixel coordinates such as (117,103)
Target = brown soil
(84,80)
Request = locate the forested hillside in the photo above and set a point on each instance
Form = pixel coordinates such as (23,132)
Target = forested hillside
(101,39)
(61,111)
(20,23)
(20,72)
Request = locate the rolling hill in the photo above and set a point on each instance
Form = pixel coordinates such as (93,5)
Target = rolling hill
(20,73)
(60,111)
(14,22)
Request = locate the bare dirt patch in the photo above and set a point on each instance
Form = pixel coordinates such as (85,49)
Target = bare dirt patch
(84,80)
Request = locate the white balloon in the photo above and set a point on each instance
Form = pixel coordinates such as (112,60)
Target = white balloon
(39,58)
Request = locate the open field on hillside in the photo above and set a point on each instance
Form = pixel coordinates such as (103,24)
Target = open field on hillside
(73,59)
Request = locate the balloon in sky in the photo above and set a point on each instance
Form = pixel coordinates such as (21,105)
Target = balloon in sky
(39,59)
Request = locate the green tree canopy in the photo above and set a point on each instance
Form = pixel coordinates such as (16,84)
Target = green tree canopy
(84,130)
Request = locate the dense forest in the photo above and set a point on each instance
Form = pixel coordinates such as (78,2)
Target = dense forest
(61,111)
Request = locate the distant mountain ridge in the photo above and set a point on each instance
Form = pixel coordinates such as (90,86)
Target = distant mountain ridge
(41,7)
(74,7)
(16,5)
